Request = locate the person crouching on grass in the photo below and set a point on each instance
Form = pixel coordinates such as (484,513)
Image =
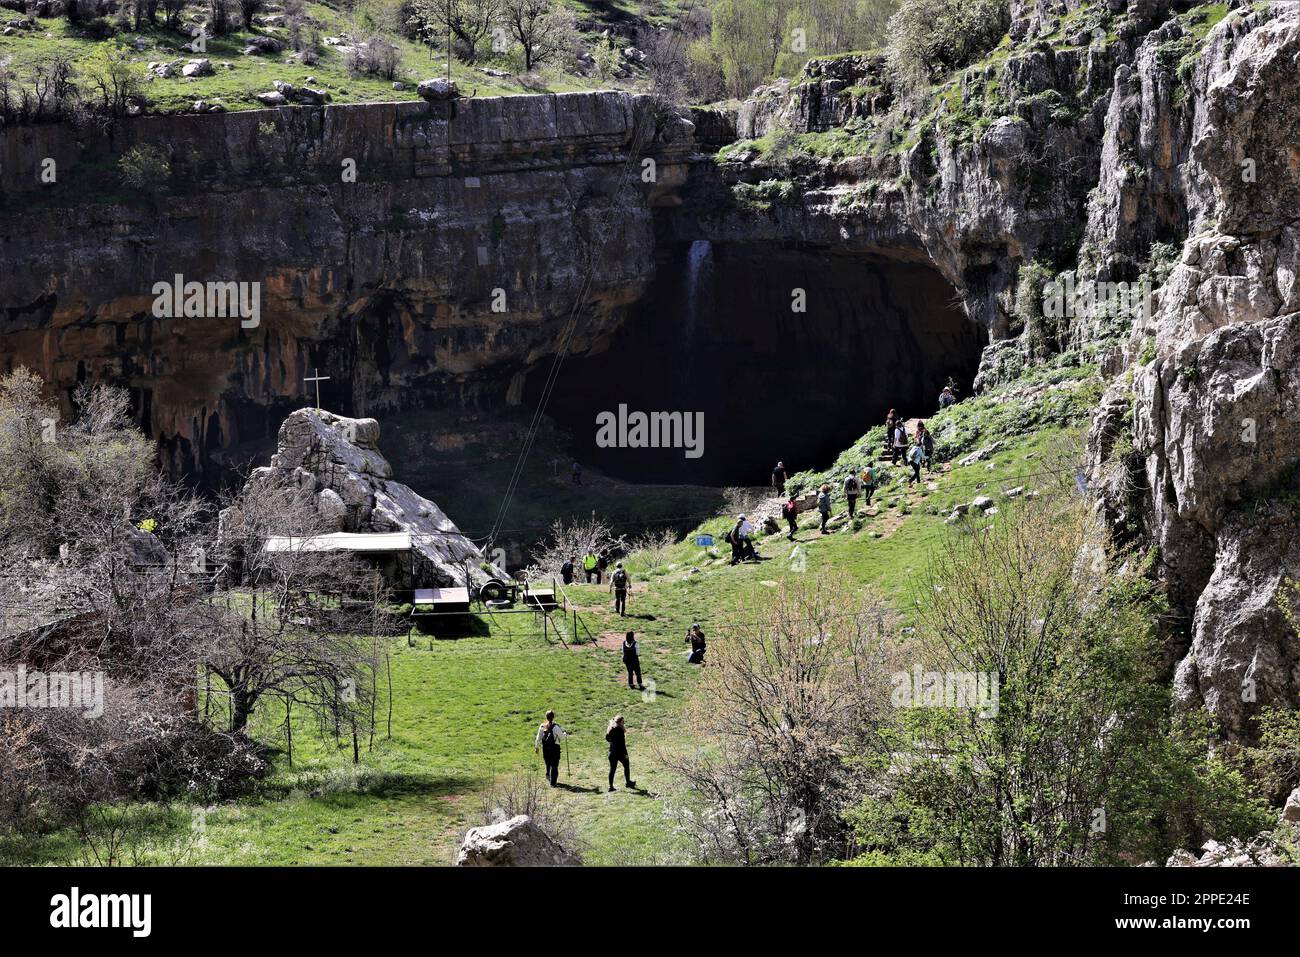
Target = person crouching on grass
(616,735)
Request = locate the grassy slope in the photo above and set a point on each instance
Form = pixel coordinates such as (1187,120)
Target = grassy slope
(465,710)
(235,88)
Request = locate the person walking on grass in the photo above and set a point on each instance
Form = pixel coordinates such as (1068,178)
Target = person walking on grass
(868,484)
(790,512)
(824,505)
(915,456)
(851,489)
(619,584)
(591,566)
(632,661)
(548,739)
(695,638)
(616,735)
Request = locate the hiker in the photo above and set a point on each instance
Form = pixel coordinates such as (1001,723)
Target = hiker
(616,735)
(900,440)
(915,456)
(602,564)
(575,474)
(745,535)
(695,638)
(926,440)
(549,736)
(790,512)
(891,420)
(778,478)
(566,570)
(591,565)
(733,539)
(868,483)
(851,489)
(632,661)
(618,584)
(946,398)
(824,506)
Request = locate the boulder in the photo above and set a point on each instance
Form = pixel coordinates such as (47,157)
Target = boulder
(437,89)
(1291,811)
(518,842)
(981,502)
(338,460)
(201,67)
(262,45)
(271,99)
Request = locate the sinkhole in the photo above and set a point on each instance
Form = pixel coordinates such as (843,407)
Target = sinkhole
(784,352)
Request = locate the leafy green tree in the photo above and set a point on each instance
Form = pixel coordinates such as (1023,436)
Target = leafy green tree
(930,38)
(1079,760)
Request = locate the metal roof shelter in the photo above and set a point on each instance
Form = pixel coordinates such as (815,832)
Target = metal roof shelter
(341,542)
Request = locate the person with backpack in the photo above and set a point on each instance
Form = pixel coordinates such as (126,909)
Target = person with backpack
(900,440)
(695,638)
(602,563)
(915,456)
(566,570)
(891,420)
(745,533)
(618,584)
(632,661)
(778,478)
(946,398)
(851,489)
(616,735)
(733,539)
(868,483)
(824,505)
(591,566)
(548,739)
(790,512)
(926,440)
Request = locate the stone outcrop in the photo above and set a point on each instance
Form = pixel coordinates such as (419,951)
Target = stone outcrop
(338,460)
(1213,412)
(422,254)
(518,842)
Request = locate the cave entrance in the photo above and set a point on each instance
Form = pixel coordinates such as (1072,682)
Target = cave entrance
(717,335)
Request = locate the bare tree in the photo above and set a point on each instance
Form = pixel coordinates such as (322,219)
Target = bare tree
(543,29)
(789,705)
(466,21)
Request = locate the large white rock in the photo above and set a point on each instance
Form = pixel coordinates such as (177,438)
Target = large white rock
(517,842)
(338,459)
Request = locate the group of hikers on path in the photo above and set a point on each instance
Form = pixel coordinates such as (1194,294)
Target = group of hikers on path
(594,564)
(917,450)
(550,734)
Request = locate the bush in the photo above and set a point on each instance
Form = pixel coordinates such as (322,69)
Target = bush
(931,38)
(145,167)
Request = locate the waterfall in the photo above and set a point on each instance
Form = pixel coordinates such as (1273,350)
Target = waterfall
(699,277)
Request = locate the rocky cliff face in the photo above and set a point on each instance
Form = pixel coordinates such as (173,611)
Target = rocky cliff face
(1117,143)
(447,268)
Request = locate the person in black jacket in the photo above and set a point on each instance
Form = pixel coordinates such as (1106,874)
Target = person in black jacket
(548,739)
(566,570)
(632,661)
(616,735)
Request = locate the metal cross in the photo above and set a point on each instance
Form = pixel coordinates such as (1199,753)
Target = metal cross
(318,379)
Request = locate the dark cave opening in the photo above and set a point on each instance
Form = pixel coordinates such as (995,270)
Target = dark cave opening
(718,335)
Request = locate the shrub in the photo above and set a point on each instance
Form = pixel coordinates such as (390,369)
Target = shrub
(145,167)
(930,38)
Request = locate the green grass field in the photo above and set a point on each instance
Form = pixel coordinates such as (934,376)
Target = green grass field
(465,709)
